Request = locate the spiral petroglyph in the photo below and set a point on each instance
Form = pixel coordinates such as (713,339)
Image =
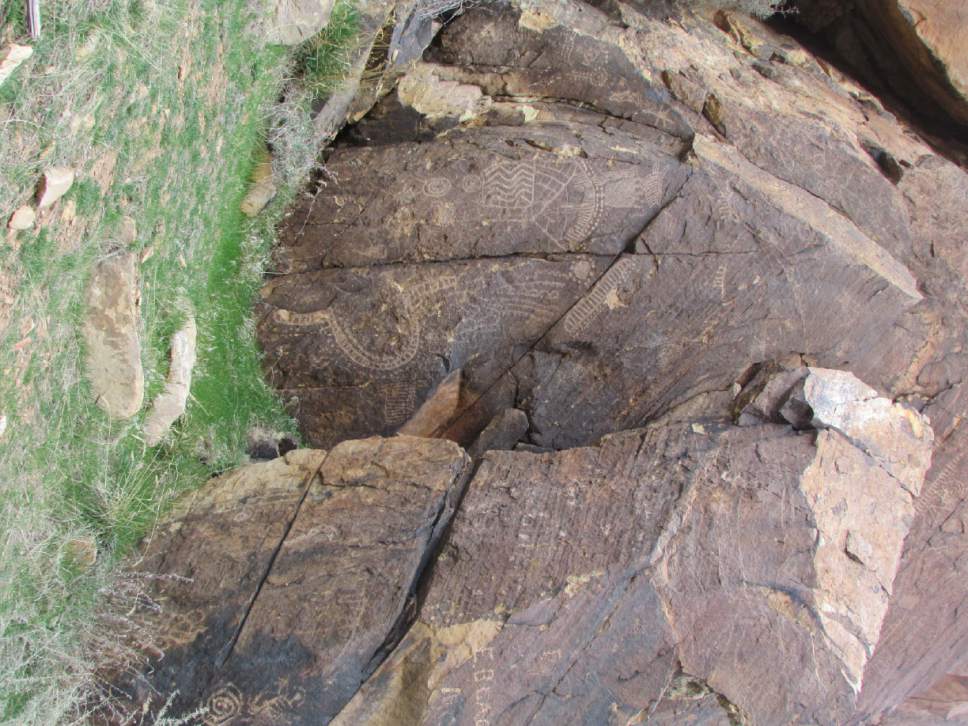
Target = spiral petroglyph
(224,705)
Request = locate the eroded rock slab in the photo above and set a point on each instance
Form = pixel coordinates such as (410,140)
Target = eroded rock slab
(281,582)
(726,553)
(112,336)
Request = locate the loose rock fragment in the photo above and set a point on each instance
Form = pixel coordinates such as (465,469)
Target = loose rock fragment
(170,403)
(23,218)
(55,183)
(111,333)
(11,57)
(262,191)
(290,22)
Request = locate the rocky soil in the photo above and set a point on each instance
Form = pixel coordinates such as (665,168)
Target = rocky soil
(692,301)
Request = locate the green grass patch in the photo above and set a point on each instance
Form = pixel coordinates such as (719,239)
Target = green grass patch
(324,59)
(161,107)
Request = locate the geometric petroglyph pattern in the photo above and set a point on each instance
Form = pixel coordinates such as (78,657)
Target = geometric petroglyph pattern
(594,303)
(399,402)
(562,198)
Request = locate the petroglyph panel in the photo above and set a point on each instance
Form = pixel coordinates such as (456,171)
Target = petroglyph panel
(480,193)
(722,278)
(358,350)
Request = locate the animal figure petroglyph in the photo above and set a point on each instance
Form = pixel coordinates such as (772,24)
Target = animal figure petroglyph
(390,340)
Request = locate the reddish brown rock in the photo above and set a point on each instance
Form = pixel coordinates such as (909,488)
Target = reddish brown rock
(918,48)
(791,218)
(757,555)
(282,583)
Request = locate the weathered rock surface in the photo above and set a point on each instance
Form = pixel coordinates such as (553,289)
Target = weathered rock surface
(290,22)
(683,572)
(623,226)
(744,557)
(112,336)
(946,702)
(170,403)
(279,583)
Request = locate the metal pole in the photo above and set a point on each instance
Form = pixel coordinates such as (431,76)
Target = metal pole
(33,18)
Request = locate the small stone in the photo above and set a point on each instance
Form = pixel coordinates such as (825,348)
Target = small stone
(170,404)
(290,22)
(129,230)
(3,424)
(262,190)
(23,218)
(56,182)
(113,364)
(83,552)
(10,59)
(69,212)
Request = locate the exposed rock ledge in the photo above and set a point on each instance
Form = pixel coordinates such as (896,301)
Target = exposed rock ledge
(755,562)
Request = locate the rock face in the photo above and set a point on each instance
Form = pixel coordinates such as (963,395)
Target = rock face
(694,302)
(918,47)
(547,249)
(757,555)
(111,334)
(632,218)
(282,581)
(681,571)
